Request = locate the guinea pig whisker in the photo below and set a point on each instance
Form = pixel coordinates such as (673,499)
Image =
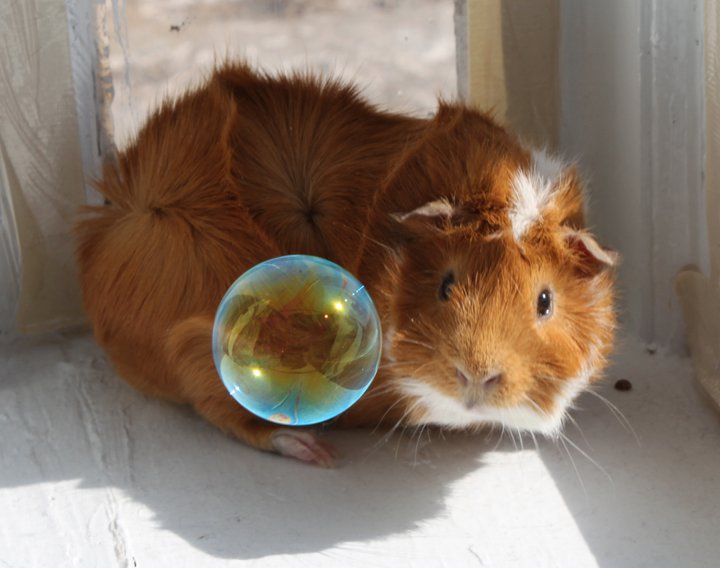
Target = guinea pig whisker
(419,370)
(405,426)
(587,456)
(510,431)
(490,430)
(380,390)
(536,406)
(582,434)
(388,435)
(567,415)
(618,414)
(402,433)
(415,342)
(423,428)
(517,442)
(366,235)
(401,364)
(391,431)
(411,368)
(534,439)
(375,394)
(393,405)
(428,325)
(574,465)
(502,436)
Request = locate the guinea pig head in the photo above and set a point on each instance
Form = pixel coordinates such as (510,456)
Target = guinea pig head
(501,309)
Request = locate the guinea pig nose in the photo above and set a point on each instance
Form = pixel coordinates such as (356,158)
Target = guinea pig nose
(492,380)
(462,378)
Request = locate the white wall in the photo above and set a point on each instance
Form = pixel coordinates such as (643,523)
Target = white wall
(631,83)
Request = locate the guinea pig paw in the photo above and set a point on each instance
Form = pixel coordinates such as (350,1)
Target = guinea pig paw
(304,446)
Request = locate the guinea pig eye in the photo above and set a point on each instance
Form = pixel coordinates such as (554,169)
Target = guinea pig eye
(545,304)
(446,286)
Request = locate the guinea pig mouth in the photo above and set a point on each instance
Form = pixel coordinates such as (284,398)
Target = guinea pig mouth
(477,392)
(443,410)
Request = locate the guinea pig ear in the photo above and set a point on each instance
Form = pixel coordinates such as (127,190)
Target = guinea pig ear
(590,256)
(434,214)
(570,200)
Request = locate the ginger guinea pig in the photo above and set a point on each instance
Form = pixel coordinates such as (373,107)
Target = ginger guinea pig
(496,303)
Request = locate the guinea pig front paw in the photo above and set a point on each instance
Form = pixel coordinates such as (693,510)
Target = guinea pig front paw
(304,446)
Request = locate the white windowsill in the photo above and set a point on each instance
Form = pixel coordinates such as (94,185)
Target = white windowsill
(94,474)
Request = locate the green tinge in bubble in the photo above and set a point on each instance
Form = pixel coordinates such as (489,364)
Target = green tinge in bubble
(297,340)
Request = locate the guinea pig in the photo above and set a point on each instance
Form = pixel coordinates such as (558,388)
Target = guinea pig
(495,301)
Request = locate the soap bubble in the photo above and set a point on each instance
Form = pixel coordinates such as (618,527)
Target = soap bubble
(297,340)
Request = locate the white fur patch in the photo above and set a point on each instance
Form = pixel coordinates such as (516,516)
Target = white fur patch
(443,410)
(571,389)
(532,191)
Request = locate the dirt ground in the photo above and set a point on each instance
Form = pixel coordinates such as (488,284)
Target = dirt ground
(401,52)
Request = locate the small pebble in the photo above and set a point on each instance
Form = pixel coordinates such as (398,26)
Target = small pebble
(651,348)
(623,385)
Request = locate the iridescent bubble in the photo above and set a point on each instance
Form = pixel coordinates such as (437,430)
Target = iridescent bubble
(297,340)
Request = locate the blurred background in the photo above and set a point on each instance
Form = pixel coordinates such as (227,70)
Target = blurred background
(401,52)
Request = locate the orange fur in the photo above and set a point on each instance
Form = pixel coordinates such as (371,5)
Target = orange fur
(250,167)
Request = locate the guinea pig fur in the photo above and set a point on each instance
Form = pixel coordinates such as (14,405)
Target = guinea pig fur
(496,302)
